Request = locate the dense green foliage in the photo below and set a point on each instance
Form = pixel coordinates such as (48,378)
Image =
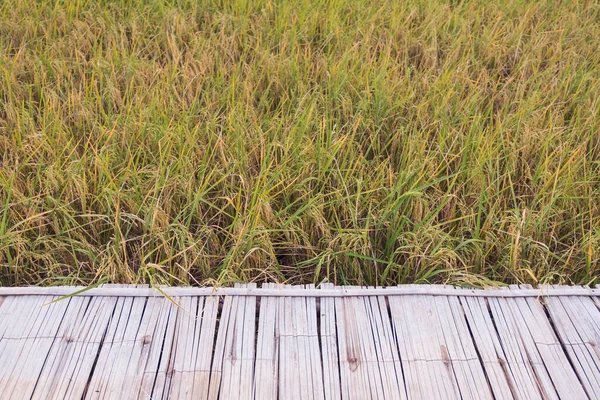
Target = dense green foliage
(364,142)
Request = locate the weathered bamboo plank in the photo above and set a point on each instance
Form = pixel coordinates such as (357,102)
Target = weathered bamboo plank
(314,349)
(329,345)
(501,375)
(530,314)
(34,350)
(413,343)
(216,373)
(230,385)
(55,367)
(137,344)
(423,350)
(248,318)
(100,384)
(206,339)
(237,351)
(354,382)
(185,348)
(577,323)
(7,306)
(71,359)
(142,371)
(29,322)
(522,367)
(156,373)
(300,336)
(290,376)
(468,371)
(532,347)
(388,358)
(19,323)
(575,330)
(267,350)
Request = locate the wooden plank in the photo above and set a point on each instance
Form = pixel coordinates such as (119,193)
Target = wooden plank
(462,354)
(185,348)
(305,335)
(434,346)
(500,375)
(155,380)
(51,374)
(529,384)
(7,308)
(410,371)
(235,344)
(353,373)
(82,347)
(368,359)
(126,351)
(114,335)
(267,350)
(23,322)
(34,350)
(230,387)
(300,351)
(415,372)
(284,385)
(289,356)
(387,349)
(248,347)
(206,341)
(71,358)
(530,315)
(379,350)
(572,318)
(100,384)
(139,345)
(314,349)
(300,335)
(595,297)
(216,375)
(28,320)
(423,351)
(288,359)
(300,365)
(13,324)
(131,344)
(533,348)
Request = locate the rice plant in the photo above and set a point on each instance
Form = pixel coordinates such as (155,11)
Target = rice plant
(357,142)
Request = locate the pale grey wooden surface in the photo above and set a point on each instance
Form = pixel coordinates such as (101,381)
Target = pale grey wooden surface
(418,342)
(267,350)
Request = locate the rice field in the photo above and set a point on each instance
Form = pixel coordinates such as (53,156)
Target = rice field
(349,141)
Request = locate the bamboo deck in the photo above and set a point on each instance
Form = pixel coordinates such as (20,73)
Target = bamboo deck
(407,342)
